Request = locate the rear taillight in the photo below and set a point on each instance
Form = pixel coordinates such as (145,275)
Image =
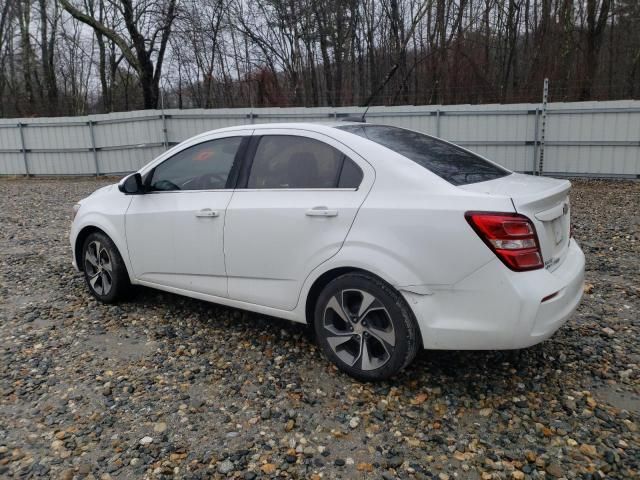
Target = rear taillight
(511,236)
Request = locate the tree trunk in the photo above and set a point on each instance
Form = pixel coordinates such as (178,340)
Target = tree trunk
(595,28)
(24,20)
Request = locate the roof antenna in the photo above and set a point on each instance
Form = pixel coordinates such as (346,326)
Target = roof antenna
(373,95)
(356,118)
(362,119)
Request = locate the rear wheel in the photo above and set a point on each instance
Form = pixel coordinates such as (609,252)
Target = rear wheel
(365,327)
(104,269)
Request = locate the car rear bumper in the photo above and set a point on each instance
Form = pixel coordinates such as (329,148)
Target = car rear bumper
(495,308)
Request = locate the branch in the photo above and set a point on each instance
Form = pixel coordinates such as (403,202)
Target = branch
(166,31)
(103,29)
(403,49)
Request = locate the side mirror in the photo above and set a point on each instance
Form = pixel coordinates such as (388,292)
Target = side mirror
(131,185)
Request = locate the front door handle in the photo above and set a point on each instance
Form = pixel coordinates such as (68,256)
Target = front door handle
(321,212)
(207,212)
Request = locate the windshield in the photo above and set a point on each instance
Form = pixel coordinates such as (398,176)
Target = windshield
(455,165)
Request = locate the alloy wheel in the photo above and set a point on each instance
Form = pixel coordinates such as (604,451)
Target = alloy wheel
(99,268)
(359,330)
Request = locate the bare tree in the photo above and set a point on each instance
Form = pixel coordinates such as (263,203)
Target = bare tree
(597,16)
(144,41)
(68,56)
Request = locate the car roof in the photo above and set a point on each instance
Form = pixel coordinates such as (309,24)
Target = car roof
(313,126)
(327,128)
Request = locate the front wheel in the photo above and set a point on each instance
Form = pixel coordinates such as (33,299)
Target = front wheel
(365,327)
(104,270)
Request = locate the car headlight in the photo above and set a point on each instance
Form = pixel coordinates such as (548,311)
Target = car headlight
(76,207)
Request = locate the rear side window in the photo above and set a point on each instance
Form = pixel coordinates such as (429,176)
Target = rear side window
(351,175)
(449,162)
(287,161)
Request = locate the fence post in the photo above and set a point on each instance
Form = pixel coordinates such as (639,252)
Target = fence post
(545,94)
(534,168)
(438,123)
(165,136)
(93,148)
(24,151)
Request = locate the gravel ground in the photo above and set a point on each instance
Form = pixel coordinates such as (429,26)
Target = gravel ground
(165,386)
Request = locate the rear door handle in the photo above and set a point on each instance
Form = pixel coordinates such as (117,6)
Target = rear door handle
(207,212)
(321,212)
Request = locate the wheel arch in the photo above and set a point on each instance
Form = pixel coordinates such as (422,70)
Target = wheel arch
(325,278)
(319,284)
(381,263)
(82,236)
(79,242)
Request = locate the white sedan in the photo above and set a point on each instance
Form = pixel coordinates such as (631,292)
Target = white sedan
(384,240)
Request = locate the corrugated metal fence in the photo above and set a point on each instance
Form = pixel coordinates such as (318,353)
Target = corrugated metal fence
(598,139)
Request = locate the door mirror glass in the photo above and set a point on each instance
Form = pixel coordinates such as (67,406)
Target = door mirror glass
(131,185)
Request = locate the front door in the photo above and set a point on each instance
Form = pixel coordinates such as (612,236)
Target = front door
(175,231)
(301,197)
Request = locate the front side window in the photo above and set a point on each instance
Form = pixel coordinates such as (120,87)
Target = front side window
(205,166)
(286,161)
(455,165)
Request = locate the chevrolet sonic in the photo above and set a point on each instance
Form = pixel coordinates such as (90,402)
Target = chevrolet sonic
(384,240)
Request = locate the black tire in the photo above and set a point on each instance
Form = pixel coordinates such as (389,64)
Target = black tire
(106,274)
(379,340)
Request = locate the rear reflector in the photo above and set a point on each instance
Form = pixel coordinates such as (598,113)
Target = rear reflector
(511,236)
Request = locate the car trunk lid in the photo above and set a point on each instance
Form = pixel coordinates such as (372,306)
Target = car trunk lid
(545,201)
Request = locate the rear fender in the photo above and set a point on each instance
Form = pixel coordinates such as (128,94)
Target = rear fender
(370,258)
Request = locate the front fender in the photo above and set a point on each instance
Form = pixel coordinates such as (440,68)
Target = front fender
(111,222)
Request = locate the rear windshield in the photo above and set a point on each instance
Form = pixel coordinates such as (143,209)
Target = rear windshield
(449,162)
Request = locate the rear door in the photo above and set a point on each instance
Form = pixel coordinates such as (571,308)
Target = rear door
(301,193)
